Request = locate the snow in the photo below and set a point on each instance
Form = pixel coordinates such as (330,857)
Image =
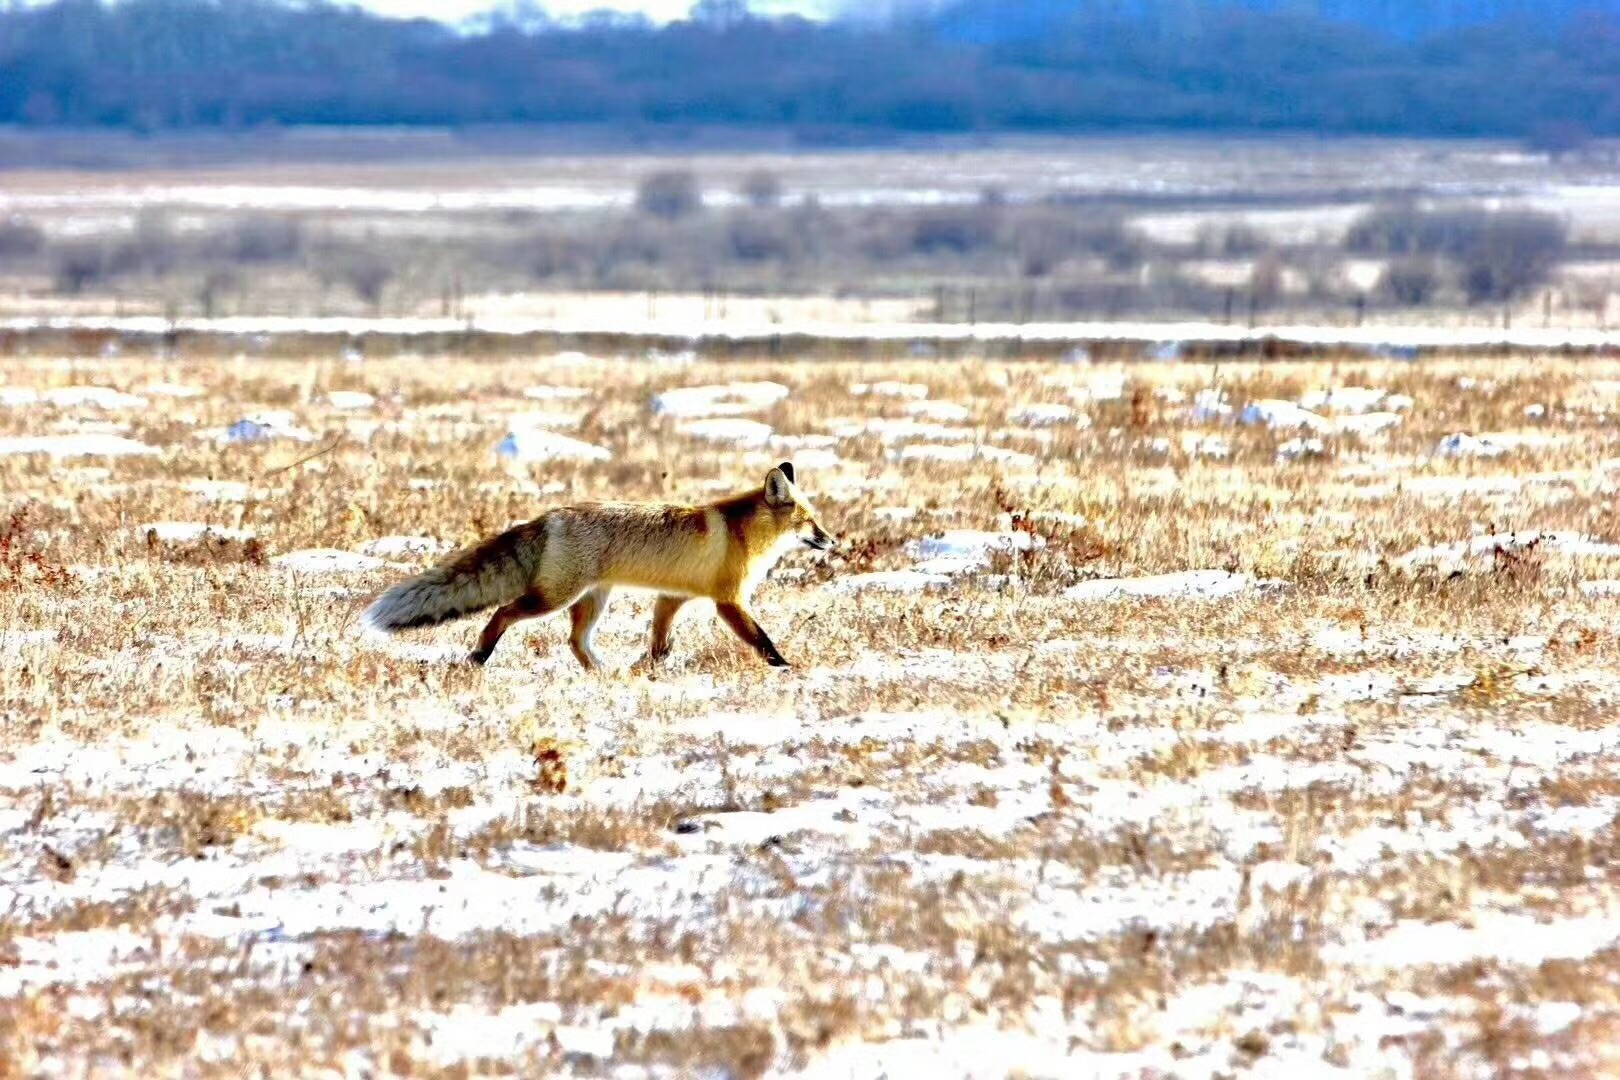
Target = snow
(270,424)
(890,388)
(961,550)
(1462,444)
(814,459)
(67,397)
(397,547)
(556,393)
(892,431)
(1210,406)
(727,429)
(467,1033)
(964,452)
(1210,446)
(1354,399)
(538,444)
(1043,415)
(730,399)
(172,390)
(945,411)
(1365,424)
(1281,415)
(889,581)
(180,532)
(1187,584)
(1295,449)
(327,561)
(1495,937)
(217,490)
(1574,545)
(350,399)
(66,446)
(977,1052)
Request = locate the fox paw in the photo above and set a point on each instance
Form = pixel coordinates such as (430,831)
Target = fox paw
(479,657)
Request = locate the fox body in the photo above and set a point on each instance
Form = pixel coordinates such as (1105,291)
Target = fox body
(573,556)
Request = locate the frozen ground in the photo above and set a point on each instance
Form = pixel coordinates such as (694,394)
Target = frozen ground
(1103,755)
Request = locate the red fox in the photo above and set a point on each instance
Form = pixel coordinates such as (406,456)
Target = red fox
(573,556)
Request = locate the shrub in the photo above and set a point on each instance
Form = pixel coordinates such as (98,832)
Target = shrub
(1236,240)
(669,194)
(1499,253)
(79,264)
(1412,281)
(756,238)
(20,239)
(262,238)
(953,229)
(1266,279)
(761,189)
(1513,253)
(364,270)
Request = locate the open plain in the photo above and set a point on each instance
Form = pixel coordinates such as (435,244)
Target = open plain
(1154,719)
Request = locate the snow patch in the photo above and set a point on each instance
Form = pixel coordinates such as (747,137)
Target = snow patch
(1353,399)
(327,561)
(1494,938)
(1462,444)
(946,411)
(67,397)
(556,393)
(964,550)
(901,581)
(1043,415)
(727,429)
(181,532)
(730,399)
(538,444)
(1575,545)
(964,452)
(1187,584)
(890,388)
(67,446)
(1210,406)
(1282,416)
(350,399)
(273,424)
(399,547)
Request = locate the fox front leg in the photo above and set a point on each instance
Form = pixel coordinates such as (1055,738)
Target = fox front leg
(746,627)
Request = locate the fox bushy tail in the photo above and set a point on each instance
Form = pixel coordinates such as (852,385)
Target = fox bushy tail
(496,571)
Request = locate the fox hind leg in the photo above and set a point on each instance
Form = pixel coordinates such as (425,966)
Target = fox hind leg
(665,608)
(531,605)
(746,627)
(586,610)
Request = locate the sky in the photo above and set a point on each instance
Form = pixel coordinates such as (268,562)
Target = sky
(657,10)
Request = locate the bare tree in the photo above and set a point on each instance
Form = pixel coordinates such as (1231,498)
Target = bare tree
(762,189)
(669,194)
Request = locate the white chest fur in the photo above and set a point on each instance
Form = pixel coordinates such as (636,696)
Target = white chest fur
(766,562)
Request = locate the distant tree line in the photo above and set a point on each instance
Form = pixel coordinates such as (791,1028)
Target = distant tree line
(159,64)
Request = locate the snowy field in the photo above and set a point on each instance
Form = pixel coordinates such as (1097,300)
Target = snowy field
(1168,720)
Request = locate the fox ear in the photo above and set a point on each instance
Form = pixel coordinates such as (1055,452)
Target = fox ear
(778,488)
(787,471)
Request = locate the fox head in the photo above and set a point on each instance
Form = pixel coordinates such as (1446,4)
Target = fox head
(792,513)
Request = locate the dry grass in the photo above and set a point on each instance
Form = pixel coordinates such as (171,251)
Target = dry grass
(1094,835)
